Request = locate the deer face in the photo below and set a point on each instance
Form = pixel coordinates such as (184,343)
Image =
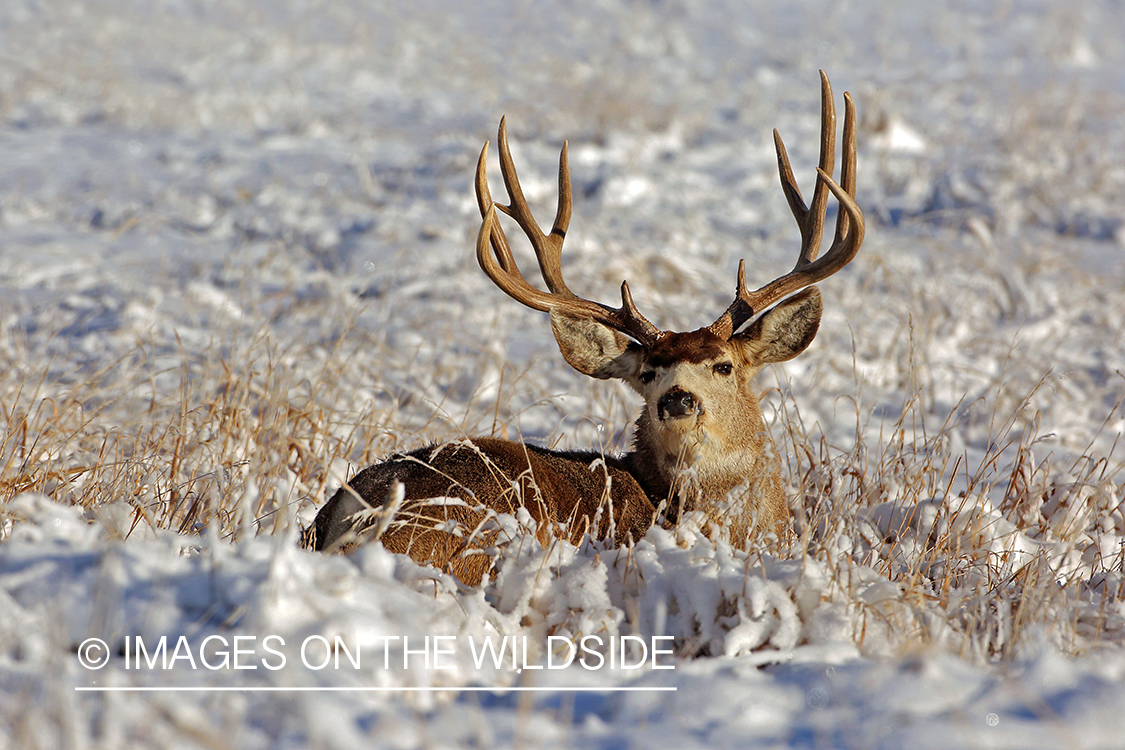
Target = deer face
(701,405)
(698,394)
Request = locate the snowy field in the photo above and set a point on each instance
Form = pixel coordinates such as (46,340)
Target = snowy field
(236,265)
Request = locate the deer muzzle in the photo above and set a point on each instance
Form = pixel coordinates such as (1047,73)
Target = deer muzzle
(678,403)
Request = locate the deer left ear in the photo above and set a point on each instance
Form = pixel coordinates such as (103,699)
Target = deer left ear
(594,349)
(784,331)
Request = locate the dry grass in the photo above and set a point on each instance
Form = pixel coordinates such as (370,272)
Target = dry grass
(240,437)
(991,550)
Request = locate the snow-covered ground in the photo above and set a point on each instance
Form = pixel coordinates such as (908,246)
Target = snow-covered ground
(236,264)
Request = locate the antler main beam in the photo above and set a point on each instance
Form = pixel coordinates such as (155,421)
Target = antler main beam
(495,254)
(810,220)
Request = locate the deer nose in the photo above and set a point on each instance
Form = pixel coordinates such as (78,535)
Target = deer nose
(678,403)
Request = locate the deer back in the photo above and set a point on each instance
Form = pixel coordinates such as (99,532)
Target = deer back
(451,491)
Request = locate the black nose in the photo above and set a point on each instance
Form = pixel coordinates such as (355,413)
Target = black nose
(677,403)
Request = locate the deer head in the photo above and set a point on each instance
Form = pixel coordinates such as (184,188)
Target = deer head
(701,432)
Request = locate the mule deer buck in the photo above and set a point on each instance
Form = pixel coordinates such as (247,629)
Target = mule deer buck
(700,442)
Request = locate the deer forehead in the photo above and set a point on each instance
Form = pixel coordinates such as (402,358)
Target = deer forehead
(694,347)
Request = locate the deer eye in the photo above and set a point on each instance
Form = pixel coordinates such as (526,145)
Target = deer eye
(723,368)
(647,376)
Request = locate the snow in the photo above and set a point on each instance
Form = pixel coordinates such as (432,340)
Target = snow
(236,265)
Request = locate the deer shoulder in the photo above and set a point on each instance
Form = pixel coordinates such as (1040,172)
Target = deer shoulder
(700,442)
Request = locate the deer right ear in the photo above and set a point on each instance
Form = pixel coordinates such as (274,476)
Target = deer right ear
(594,349)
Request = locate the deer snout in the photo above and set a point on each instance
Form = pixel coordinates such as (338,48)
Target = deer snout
(678,403)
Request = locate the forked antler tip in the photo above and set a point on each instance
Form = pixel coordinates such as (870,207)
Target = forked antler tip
(809,269)
(501,267)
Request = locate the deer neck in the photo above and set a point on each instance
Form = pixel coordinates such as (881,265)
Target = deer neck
(695,469)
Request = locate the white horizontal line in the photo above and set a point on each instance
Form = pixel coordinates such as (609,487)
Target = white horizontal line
(270,689)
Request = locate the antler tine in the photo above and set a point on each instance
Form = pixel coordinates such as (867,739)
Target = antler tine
(810,220)
(486,204)
(500,265)
(849,222)
(632,322)
(847,165)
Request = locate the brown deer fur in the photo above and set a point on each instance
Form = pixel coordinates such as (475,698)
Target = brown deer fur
(566,494)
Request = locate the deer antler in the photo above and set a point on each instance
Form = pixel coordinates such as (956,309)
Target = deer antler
(501,267)
(849,221)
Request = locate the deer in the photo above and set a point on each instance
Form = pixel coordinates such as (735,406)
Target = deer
(700,442)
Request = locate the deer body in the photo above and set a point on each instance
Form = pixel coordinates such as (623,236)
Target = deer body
(700,442)
(576,492)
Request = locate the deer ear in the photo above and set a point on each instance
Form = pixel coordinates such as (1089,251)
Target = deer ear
(593,349)
(784,331)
